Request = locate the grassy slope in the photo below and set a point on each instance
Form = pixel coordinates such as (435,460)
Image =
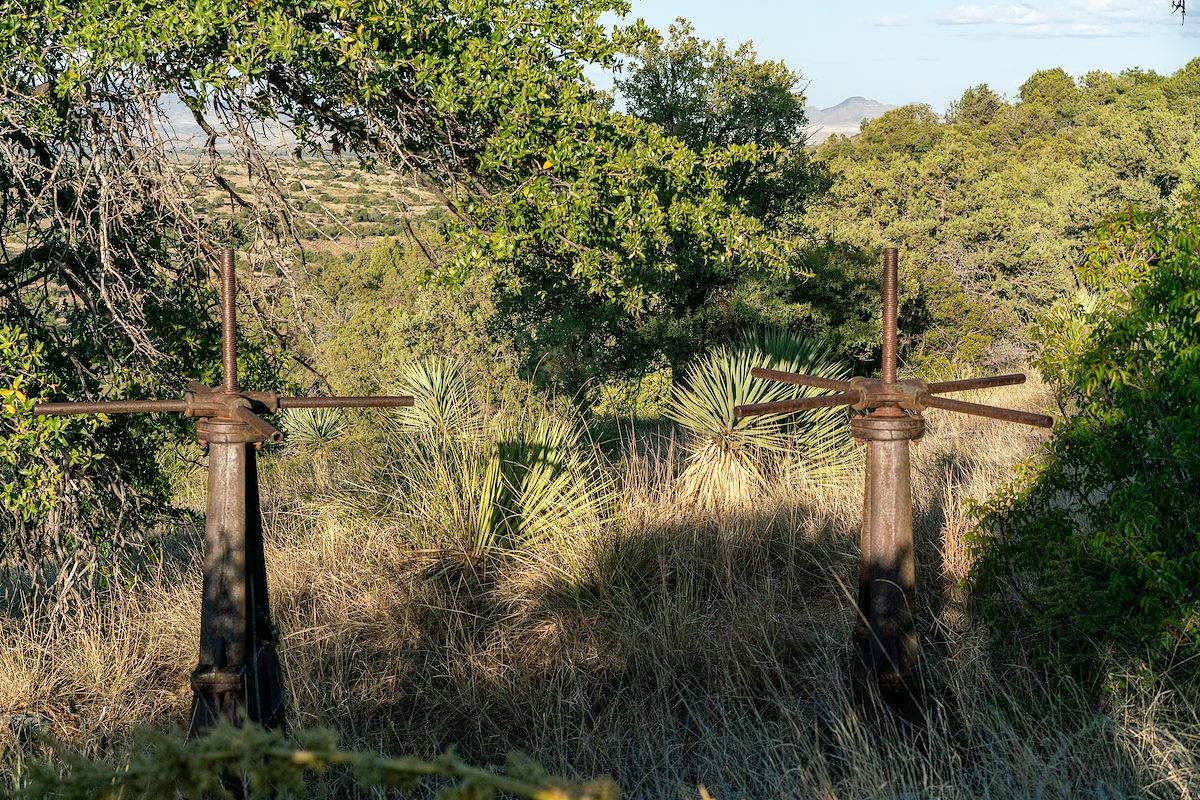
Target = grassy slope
(669,649)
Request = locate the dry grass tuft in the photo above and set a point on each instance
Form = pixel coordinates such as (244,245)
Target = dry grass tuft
(685,654)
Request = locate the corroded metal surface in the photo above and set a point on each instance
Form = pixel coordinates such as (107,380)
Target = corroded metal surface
(111,407)
(964,384)
(884,640)
(237,677)
(804,404)
(887,536)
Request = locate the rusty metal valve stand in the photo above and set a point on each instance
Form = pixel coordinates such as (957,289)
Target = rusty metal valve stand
(238,672)
(885,637)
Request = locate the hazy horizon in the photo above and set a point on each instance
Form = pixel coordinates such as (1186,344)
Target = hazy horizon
(931,50)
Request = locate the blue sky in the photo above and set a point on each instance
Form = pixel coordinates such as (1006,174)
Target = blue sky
(929,51)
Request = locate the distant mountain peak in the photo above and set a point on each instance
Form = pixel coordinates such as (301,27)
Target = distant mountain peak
(845,118)
(851,111)
(849,100)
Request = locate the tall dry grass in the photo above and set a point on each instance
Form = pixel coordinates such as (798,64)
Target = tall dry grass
(682,652)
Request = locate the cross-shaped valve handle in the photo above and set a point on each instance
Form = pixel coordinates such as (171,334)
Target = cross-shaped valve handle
(911,394)
(225,403)
(886,392)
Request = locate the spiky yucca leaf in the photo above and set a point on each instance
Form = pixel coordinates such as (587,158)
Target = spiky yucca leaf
(727,455)
(538,481)
(526,478)
(311,428)
(443,398)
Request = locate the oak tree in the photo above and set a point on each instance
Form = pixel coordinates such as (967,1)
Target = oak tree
(105,260)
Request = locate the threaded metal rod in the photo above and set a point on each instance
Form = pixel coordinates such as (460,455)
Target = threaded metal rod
(889,315)
(346,402)
(228,322)
(111,407)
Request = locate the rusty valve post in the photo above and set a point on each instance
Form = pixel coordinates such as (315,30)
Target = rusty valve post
(238,675)
(884,640)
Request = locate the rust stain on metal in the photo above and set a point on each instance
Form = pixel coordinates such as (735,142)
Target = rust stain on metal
(884,640)
(238,676)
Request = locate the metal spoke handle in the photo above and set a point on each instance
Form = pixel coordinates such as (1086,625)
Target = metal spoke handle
(801,380)
(111,407)
(993,412)
(803,404)
(965,384)
(346,402)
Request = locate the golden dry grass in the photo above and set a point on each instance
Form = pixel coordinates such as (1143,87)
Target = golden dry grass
(686,654)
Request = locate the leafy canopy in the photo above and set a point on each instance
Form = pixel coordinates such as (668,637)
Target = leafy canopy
(710,96)
(743,119)
(483,103)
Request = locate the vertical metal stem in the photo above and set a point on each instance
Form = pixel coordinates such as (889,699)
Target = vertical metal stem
(889,315)
(890,563)
(885,643)
(228,322)
(218,687)
(238,677)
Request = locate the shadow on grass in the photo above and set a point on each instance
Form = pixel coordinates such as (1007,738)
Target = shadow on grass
(715,652)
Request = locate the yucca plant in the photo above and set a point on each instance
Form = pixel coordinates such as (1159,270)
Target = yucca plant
(443,399)
(525,478)
(727,457)
(310,431)
(539,480)
(312,428)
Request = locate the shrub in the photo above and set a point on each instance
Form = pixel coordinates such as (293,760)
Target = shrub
(256,763)
(1093,552)
(498,484)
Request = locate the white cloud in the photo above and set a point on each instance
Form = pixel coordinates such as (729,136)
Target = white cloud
(996,15)
(1084,18)
(891,21)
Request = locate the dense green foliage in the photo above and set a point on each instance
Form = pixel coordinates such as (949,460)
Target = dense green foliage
(711,101)
(1093,554)
(709,96)
(991,208)
(484,103)
(484,106)
(30,479)
(374,313)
